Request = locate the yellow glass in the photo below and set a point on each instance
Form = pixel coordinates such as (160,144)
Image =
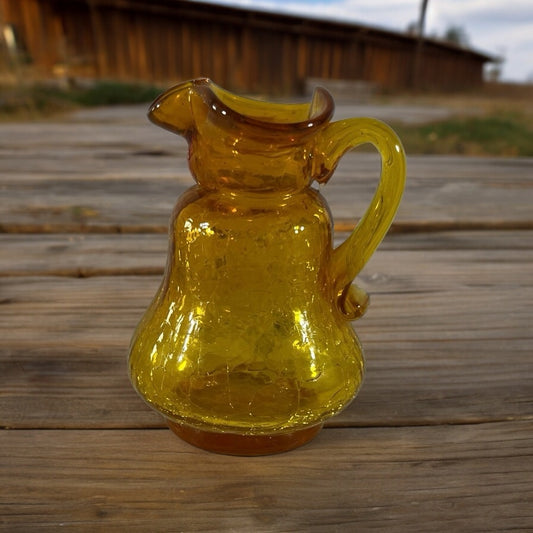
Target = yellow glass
(247,346)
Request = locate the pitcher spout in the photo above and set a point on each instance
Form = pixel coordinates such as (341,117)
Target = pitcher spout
(175,108)
(172,110)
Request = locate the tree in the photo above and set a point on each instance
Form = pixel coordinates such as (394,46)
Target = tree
(456,35)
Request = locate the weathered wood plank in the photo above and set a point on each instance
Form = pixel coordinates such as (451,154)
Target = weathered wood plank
(407,384)
(82,255)
(119,187)
(450,346)
(448,342)
(474,478)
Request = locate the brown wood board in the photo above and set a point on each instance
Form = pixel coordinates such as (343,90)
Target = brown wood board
(474,478)
(438,337)
(439,438)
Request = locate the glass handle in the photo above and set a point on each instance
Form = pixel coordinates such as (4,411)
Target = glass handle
(351,256)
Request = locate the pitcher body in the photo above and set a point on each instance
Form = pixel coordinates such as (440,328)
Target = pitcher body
(247,347)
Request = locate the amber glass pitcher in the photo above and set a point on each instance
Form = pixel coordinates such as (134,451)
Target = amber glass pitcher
(247,347)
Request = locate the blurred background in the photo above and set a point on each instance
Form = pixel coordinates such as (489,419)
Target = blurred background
(57,55)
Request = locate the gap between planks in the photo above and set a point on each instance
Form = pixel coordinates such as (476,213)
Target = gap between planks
(340,225)
(330,424)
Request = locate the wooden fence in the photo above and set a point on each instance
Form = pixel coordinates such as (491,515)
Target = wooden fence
(170,40)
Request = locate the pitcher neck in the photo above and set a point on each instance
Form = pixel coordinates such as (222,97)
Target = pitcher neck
(237,142)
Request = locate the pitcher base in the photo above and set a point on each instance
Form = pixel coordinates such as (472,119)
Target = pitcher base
(246,445)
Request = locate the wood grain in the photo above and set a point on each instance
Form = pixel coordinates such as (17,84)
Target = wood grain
(83,255)
(439,438)
(90,173)
(474,478)
(132,203)
(441,348)
(126,177)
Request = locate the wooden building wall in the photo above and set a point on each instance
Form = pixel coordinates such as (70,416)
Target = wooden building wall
(165,41)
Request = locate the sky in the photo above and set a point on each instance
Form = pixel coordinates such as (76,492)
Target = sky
(503,28)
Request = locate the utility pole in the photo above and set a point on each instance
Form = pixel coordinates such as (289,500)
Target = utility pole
(417,66)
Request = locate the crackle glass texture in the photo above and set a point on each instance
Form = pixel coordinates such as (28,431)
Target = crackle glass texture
(250,332)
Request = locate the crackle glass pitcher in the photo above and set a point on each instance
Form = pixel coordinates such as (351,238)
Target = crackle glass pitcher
(247,347)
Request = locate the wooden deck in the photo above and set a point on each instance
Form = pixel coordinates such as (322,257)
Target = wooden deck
(439,439)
